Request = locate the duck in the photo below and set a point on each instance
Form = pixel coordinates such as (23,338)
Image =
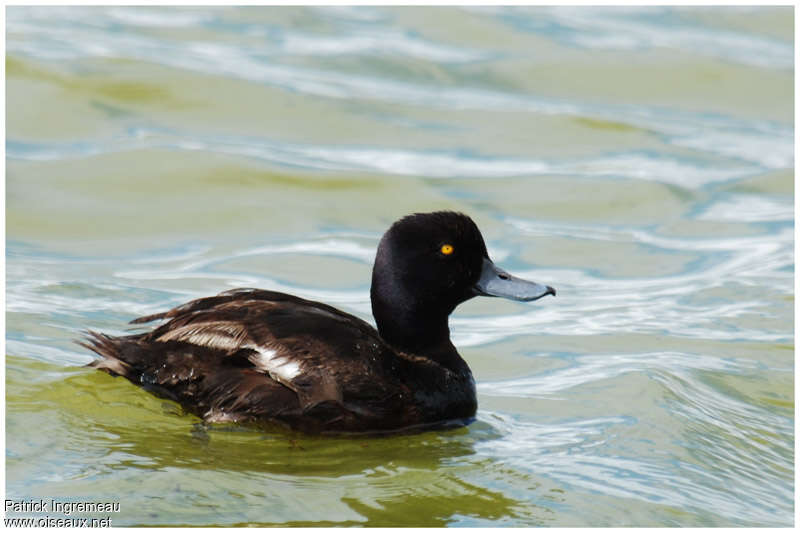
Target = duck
(264,357)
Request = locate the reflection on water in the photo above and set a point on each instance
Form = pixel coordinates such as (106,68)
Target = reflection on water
(638,159)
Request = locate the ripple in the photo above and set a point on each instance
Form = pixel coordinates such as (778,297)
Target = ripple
(590,368)
(749,208)
(581,454)
(765,144)
(377,43)
(40,352)
(158,18)
(429,163)
(642,28)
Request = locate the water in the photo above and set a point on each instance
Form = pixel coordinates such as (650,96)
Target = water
(640,160)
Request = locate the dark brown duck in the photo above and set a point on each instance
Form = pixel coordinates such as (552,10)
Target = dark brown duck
(250,355)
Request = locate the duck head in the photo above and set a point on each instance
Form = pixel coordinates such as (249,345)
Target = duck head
(427,264)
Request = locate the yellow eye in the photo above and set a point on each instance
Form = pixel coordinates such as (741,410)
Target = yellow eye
(447,249)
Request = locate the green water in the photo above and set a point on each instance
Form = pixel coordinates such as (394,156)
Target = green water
(640,160)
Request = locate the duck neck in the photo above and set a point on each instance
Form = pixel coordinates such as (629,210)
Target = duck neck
(417,329)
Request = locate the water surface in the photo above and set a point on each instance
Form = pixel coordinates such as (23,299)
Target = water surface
(640,160)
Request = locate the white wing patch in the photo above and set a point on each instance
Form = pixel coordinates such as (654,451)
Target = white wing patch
(281,367)
(290,370)
(231,336)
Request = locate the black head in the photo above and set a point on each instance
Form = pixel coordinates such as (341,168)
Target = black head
(427,264)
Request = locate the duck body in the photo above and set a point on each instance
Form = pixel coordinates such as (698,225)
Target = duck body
(258,356)
(250,355)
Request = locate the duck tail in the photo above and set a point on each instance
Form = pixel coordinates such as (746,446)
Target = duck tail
(110,349)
